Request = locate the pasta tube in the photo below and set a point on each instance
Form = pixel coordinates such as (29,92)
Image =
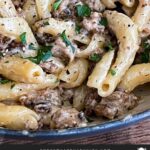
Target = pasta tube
(100,71)
(13,90)
(7,9)
(18,117)
(44,8)
(55,27)
(127,35)
(13,28)
(109,3)
(75,73)
(30,12)
(127,3)
(97,42)
(135,76)
(21,70)
(142,14)
(79,97)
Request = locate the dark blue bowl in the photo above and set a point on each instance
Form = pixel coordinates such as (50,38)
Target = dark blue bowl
(76,132)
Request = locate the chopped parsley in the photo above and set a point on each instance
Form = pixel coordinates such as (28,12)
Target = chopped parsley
(57,4)
(4,81)
(83,10)
(77,29)
(103,22)
(95,57)
(43,53)
(23,38)
(31,46)
(1,54)
(66,41)
(113,72)
(46,23)
(145,56)
(109,46)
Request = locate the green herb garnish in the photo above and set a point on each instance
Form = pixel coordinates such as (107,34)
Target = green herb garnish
(23,38)
(57,4)
(95,57)
(145,56)
(44,53)
(83,10)
(109,46)
(103,22)
(1,54)
(113,72)
(31,46)
(66,41)
(77,29)
(4,81)
(46,23)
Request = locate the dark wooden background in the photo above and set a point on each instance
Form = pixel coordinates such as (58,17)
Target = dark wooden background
(134,134)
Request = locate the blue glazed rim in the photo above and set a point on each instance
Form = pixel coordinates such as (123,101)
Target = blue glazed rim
(78,132)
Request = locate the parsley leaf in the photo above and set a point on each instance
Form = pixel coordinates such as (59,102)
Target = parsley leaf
(44,53)
(46,23)
(83,10)
(103,22)
(66,41)
(145,56)
(4,81)
(57,4)
(113,72)
(1,54)
(95,57)
(109,46)
(31,46)
(23,38)
(77,29)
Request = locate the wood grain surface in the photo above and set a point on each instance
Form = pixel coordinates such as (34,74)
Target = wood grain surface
(134,134)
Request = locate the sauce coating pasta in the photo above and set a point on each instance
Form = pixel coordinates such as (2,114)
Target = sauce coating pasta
(62,61)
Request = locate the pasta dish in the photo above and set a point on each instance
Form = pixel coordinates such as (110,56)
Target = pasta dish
(63,61)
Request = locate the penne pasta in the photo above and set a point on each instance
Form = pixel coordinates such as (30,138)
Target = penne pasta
(75,73)
(100,71)
(128,3)
(142,14)
(44,8)
(7,9)
(109,3)
(96,43)
(135,76)
(127,35)
(13,90)
(18,117)
(13,28)
(55,27)
(21,70)
(30,12)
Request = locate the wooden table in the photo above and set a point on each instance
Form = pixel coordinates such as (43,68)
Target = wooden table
(135,134)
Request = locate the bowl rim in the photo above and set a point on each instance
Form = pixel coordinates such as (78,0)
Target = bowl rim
(78,132)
